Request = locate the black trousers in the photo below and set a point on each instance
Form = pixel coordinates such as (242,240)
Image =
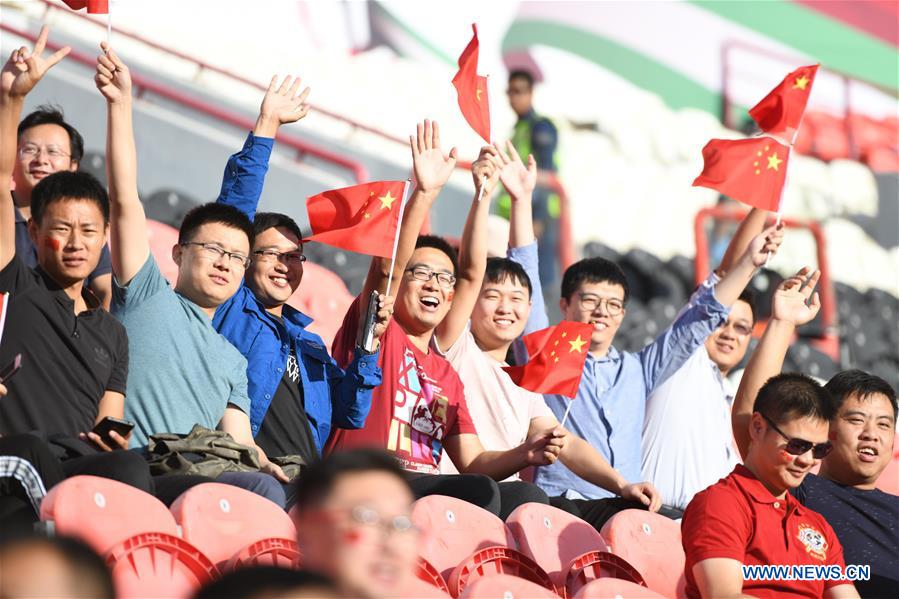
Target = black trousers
(598,511)
(500,499)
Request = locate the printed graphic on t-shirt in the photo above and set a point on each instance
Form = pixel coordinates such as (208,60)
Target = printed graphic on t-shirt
(419,418)
(814,541)
(293,369)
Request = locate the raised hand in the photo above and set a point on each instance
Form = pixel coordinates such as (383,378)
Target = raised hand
(431,166)
(768,241)
(485,170)
(24,69)
(518,180)
(544,448)
(113,78)
(791,300)
(283,103)
(385,311)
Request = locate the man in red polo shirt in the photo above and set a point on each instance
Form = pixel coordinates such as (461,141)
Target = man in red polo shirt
(749,517)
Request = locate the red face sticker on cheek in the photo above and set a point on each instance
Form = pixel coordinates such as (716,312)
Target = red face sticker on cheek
(51,243)
(785,456)
(449,296)
(352,537)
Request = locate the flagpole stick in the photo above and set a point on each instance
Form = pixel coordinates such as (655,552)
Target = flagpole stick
(565,415)
(396,238)
(781,198)
(109,23)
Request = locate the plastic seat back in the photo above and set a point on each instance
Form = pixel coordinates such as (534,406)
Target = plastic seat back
(104,512)
(507,587)
(158,565)
(222,520)
(454,529)
(652,544)
(552,537)
(608,588)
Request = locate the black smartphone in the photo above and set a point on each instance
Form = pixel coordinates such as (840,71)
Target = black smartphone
(103,428)
(367,331)
(11,368)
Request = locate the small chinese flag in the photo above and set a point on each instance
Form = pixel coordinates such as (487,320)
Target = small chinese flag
(472,89)
(362,218)
(780,112)
(94,7)
(751,171)
(557,356)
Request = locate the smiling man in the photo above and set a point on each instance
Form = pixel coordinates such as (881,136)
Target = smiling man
(610,405)
(749,518)
(862,430)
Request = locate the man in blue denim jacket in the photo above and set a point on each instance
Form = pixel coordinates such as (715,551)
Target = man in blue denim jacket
(297,392)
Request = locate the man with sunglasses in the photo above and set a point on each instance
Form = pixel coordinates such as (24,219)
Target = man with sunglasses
(749,518)
(863,431)
(687,443)
(297,392)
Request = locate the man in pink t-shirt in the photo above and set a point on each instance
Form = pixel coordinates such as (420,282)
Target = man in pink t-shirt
(419,411)
(498,310)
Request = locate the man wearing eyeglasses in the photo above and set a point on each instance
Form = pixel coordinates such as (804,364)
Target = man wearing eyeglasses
(863,432)
(297,392)
(182,371)
(687,442)
(609,410)
(750,518)
(47,144)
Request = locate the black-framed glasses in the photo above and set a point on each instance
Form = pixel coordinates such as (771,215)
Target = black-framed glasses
(214,252)
(796,446)
(289,258)
(589,303)
(421,273)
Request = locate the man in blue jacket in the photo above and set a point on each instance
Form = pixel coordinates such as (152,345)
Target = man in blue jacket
(297,392)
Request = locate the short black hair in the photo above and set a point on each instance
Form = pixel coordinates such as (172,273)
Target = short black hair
(522,74)
(269,220)
(864,385)
(87,570)
(593,270)
(439,243)
(748,296)
(793,395)
(215,212)
(254,581)
(503,269)
(317,481)
(48,114)
(67,185)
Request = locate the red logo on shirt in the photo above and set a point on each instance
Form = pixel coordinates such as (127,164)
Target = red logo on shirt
(814,541)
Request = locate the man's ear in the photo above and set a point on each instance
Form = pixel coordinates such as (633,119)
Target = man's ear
(563,305)
(176,254)
(73,166)
(756,426)
(32,231)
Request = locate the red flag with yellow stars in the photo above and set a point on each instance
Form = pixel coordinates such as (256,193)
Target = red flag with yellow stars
(557,356)
(94,7)
(362,218)
(780,112)
(472,89)
(751,171)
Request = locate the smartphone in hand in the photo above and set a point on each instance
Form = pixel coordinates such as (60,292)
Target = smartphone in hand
(366,339)
(10,369)
(103,428)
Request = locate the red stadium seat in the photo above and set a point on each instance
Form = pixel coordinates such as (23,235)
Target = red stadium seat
(104,512)
(420,589)
(604,588)
(162,237)
(234,526)
(503,585)
(652,544)
(429,574)
(324,297)
(598,564)
(553,538)
(494,561)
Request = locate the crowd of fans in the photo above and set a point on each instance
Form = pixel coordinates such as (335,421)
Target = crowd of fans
(348,439)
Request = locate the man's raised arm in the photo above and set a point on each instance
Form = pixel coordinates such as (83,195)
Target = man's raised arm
(20,74)
(129,245)
(432,170)
(472,251)
(789,310)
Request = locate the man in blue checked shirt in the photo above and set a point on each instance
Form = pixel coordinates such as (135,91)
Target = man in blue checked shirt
(297,392)
(610,405)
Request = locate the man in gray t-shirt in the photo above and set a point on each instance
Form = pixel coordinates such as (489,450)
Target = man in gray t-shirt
(181,372)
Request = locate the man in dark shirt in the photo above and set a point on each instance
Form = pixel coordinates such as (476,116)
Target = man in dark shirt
(865,519)
(74,354)
(47,144)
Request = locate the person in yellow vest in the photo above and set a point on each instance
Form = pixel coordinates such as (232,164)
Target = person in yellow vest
(535,134)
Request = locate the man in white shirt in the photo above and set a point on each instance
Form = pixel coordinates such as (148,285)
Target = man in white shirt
(687,441)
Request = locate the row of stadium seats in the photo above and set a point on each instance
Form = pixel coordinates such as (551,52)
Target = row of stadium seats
(829,137)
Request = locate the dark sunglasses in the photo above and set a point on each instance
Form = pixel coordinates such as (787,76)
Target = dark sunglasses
(800,446)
